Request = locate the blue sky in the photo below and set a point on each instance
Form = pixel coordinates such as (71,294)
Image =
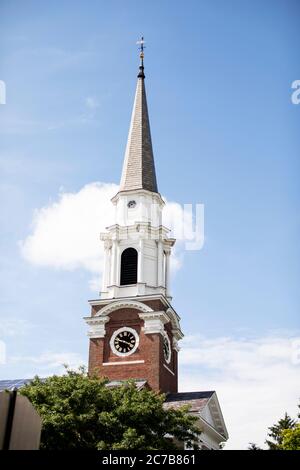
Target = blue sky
(225,134)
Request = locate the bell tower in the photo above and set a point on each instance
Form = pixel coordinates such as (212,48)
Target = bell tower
(133,328)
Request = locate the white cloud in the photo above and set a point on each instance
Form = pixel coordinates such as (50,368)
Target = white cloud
(45,364)
(65,234)
(12,327)
(256,380)
(51,362)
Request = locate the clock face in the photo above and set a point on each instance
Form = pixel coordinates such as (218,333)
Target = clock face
(124,341)
(131,204)
(167,348)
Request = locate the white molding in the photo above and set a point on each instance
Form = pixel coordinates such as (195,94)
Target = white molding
(213,430)
(97,326)
(166,336)
(116,333)
(217,415)
(112,306)
(153,296)
(119,363)
(175,321)
(129,302)
(134,192)
(169,370)
(154,322)
(175,343)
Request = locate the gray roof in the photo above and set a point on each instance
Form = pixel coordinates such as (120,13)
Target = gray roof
(11,384)
(138,168)
(18,383)
(196,400)
(140,383)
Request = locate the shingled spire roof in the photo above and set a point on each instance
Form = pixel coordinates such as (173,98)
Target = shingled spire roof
(138,168)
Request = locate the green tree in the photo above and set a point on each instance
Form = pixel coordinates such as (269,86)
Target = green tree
(81,412)
(291,438)
(276,432)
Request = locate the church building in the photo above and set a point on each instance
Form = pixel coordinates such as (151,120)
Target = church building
(134,331)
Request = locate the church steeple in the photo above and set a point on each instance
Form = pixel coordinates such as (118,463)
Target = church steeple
(138,168)
(134,330)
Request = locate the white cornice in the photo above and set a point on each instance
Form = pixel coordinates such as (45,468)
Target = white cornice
(97,326)
(216,413)
(132,302)
(117,304)
(141,229)
(137,303)
(130,192)
(140,298)
(154,322)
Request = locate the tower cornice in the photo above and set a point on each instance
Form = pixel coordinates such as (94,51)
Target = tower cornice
(141,191)
(141,230)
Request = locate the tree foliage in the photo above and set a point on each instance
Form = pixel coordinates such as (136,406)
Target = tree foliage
(291,438)
(81,412)
(276,432)
(285,435)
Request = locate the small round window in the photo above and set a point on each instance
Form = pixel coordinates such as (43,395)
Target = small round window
(131,204)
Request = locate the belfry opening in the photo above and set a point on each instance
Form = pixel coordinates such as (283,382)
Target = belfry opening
(129,261)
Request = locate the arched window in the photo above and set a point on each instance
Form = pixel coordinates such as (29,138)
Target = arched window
(129,261)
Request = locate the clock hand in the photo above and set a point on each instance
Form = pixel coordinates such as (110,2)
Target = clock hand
(125,342)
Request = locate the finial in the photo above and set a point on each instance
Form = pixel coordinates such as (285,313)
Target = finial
(141,43)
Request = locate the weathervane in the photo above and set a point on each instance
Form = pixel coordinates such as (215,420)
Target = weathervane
(141,43)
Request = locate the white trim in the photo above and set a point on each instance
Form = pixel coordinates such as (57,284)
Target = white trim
(116,333)
(119,363)
(134,192)
(97,326)
(166,337)
(130,302)
(175,342)
(213,430)
(213,402)
(171,372)
(112,306)
(141,299)
(154,322)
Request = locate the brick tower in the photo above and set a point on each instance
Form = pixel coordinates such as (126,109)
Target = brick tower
(133,328)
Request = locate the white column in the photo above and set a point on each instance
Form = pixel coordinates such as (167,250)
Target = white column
(118,263)
(105,279)
(160,263)
(140,277)
(113,263)
(167,274)
(108,273)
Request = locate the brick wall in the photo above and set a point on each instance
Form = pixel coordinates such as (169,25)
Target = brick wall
(150,350)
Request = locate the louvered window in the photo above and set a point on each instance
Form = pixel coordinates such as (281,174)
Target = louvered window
(129,260)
